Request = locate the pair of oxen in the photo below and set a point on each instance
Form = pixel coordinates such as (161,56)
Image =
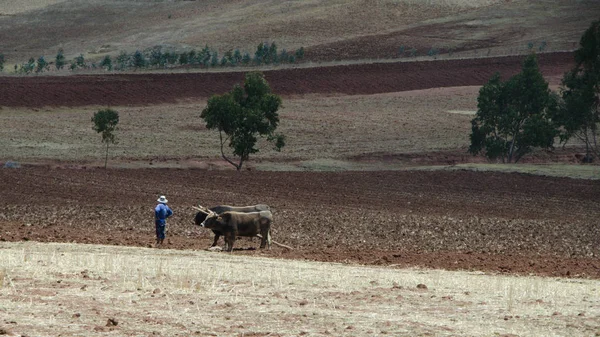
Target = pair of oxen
(231,222)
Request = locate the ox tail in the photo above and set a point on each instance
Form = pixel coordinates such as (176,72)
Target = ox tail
(277,243)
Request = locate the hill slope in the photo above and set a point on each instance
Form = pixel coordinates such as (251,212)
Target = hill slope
(329,30)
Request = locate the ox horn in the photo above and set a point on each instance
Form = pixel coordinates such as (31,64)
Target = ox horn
(201,209)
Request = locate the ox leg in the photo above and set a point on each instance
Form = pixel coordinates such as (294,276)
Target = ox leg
(229,241)
(265,241)
(217,236)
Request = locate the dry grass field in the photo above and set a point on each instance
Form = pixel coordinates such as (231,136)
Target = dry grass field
(382,123)
(92,290)
(395,229)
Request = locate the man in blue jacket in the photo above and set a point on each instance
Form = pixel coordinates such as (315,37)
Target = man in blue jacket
(161,213)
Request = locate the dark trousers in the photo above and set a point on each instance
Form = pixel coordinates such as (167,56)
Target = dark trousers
(160,229)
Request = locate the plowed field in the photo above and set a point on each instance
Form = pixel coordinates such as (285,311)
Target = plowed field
(453,220)
(507,223)
(117,89)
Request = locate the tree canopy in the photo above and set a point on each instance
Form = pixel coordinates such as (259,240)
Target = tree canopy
(242,116)
(513,117)
(105,122)
(579,115)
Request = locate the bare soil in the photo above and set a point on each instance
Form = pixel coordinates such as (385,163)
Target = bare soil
(133,89)
(461,220)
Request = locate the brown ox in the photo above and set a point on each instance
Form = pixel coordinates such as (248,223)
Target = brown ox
(233,224)
(203,213)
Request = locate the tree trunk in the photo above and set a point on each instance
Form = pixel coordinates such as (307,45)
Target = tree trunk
(511,150)
(238,167)
(106,157)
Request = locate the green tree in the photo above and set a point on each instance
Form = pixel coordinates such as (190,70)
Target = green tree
(228,57)
(513,117)
(242,115)
(60,59)
(123,60)
(80,61)
(155,56)
(172,57)
(237,57)
(42,65)
(300,53)
(223,62)
(579,115)
(193,56)
(204,56)
(139,60)
(214,60)
(105,122)
(284,56)
(106,62)
(271,53)
(1,62)
(184,58)
(246,58)
(260,53)
(29,66)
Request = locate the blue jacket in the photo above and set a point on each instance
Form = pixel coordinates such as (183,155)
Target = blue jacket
(161,213)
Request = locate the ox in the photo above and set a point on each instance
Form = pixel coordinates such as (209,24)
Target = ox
(203,213)
(233,224)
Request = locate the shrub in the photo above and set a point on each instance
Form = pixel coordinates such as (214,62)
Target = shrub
(12,164)
(530,45)
(433,52)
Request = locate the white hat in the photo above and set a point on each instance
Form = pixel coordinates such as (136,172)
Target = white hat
(162,199)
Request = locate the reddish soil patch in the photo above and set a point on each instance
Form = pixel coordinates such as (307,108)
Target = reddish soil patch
(121,89)
(507,223)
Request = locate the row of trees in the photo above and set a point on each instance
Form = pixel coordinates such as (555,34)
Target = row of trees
(159,57)
(522,113)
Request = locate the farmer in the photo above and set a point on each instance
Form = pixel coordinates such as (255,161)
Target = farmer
(161,213)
